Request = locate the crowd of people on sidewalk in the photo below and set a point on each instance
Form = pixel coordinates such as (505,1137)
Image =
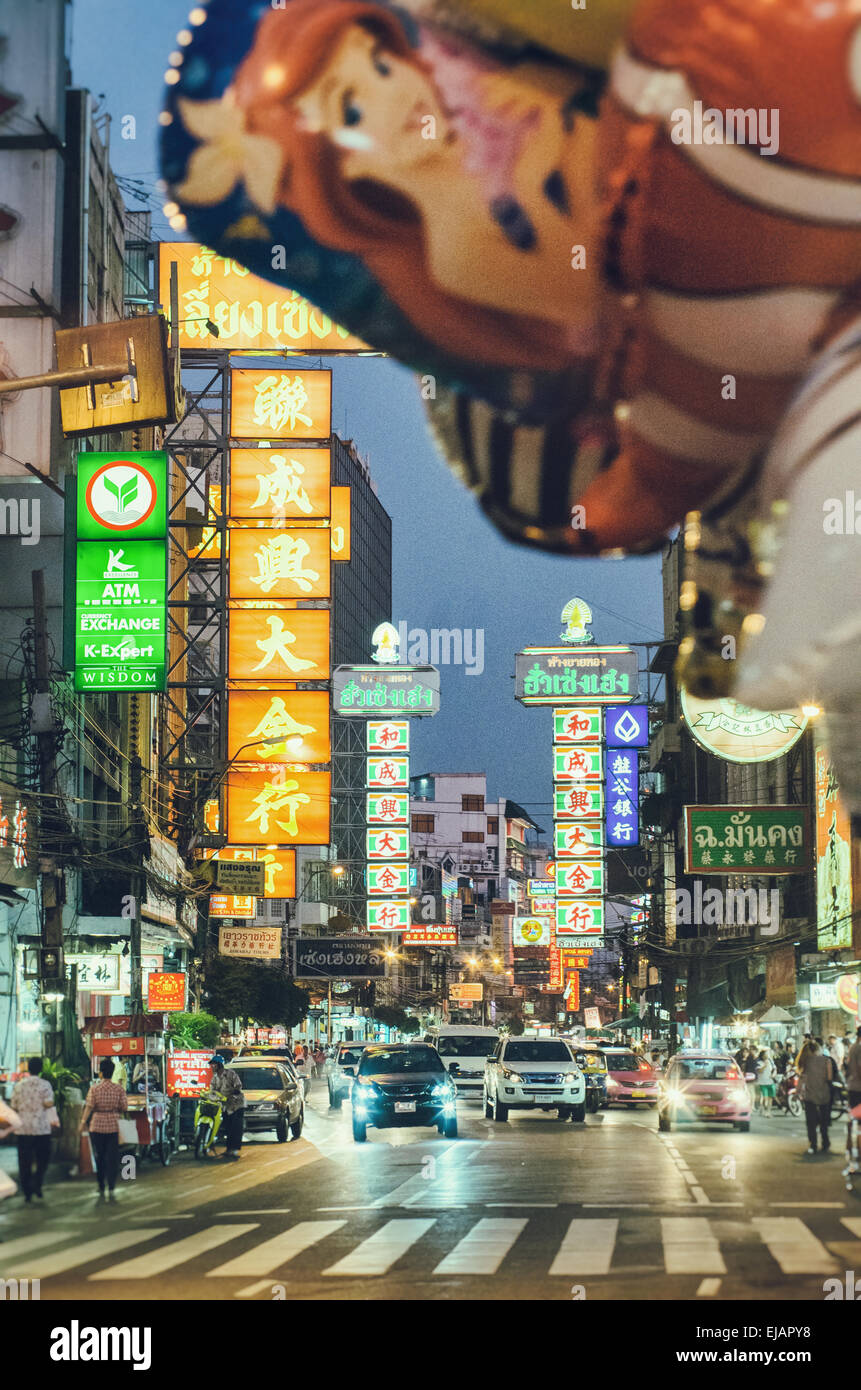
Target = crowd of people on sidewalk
(821,1065)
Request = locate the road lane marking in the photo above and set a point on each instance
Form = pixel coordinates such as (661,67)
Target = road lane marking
(852,1223)
(379,1252)
(689,1246)
(587,1247)
(700,1196)
(25,1244)
(90,1250)
(527,1206)
(255,1211)
(482,1250)
(178,1252)
(708,1288)
(813,1206)
(793,1246)
(266,1257)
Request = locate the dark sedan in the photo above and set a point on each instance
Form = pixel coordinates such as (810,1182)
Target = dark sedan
(403,1084)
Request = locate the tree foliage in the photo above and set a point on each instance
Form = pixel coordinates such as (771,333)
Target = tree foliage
(194,1031)
(255,992)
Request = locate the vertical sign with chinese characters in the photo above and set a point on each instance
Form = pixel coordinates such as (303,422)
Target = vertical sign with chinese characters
(387,780)
(279,556)
(578,815)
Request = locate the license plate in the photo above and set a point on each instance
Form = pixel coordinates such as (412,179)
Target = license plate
(638,1095)
(546,1100)
(402,1107)
(708,1109)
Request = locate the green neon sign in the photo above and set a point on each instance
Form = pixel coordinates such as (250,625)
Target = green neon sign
(119,546)
(122,496)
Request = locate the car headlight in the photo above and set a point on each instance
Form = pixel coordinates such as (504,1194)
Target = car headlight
(675,1095)
(268,1106)
(739,1093)
(611,1084)
(570,1076)
(512,1076)
(443,1091)
(365,1089)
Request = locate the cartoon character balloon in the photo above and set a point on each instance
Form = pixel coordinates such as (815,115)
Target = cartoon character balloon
(616,314)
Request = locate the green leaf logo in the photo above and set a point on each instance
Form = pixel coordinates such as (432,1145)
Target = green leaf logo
(112,487)
(128,492)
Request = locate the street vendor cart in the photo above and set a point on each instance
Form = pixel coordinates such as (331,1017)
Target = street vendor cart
(136,1041)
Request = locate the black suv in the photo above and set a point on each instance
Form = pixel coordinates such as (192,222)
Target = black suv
(403,1084)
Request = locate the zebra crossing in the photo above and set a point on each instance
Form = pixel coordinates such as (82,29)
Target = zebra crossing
(582,1247)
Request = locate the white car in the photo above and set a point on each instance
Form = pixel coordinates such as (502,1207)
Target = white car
(534,1074)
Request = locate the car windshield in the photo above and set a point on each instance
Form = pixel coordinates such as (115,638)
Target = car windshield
(261,1078)
(538,1051)
(350,1057)
(707,1069)
(466,1047)
(626,1061)
(590,1061)
(392,1059)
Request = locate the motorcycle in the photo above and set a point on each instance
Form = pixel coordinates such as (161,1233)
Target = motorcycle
(207,1123)
(787,1097)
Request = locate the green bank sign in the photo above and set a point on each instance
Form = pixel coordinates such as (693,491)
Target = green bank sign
(118,552)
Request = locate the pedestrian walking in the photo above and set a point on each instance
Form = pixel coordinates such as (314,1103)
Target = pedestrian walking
(766,1081)
(33,1100)
(105,1102)
(853,1072)
(226,1086)
(817,1072)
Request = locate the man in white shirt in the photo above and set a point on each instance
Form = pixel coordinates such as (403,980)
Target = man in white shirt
(33,1099)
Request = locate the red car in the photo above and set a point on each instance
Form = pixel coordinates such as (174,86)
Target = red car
(630,1080)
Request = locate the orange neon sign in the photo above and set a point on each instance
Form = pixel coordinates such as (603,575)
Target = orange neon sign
(269,646)
(248,312)
(272,805)
(280,484)
(271,403)
(298,718)
(280,563)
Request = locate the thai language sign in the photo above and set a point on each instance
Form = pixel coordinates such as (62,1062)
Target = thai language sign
(338,957)
(747,840)
(257,943)
(562,675)
(370,692)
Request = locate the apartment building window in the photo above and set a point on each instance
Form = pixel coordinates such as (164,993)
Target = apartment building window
(423,825)
(472,803)
(472,837)
(493,825)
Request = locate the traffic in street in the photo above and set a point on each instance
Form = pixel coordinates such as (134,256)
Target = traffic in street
(610,1208)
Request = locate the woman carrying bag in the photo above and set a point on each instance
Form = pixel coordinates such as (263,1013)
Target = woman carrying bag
(105,1102)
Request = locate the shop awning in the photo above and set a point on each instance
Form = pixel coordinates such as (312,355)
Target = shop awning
(125,1023)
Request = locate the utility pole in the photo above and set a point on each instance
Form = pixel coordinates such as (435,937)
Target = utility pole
(140,839)
(52,882)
